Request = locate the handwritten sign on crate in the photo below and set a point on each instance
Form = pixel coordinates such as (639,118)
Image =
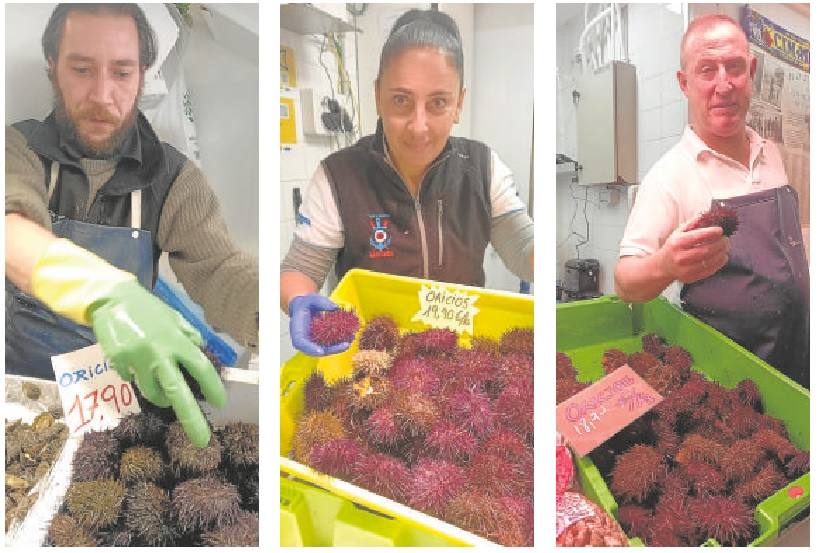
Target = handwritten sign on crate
(93,395)
(445,307)
(592,416)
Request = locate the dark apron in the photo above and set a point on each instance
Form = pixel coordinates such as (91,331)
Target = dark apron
(760,298)
(33,332)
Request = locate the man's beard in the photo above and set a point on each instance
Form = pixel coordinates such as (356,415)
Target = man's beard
(70,132)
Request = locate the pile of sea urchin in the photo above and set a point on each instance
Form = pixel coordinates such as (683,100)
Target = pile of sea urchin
(444,429)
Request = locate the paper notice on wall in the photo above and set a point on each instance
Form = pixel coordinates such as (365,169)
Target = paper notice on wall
(780,113)
(93,395)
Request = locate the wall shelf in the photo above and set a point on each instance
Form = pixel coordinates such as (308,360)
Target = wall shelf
(306,19)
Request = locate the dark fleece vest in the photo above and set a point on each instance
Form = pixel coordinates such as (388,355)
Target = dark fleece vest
(143,162)
(444,231)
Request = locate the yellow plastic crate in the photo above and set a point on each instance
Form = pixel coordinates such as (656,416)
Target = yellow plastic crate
(373,294)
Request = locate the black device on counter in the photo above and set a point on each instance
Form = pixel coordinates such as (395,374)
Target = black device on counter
(582,279)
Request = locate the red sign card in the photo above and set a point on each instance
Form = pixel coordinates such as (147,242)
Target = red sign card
(592,416)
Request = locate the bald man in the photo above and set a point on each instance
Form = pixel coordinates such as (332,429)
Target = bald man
(753,287)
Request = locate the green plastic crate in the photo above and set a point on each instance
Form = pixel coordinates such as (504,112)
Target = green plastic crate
(585,329)
(317,509)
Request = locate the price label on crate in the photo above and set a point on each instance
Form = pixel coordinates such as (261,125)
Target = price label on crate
(595,414)
(444,307)
(93,395)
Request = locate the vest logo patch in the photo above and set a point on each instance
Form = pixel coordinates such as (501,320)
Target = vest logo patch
(380,239)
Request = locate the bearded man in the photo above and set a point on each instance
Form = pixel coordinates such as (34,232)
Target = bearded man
(93,198)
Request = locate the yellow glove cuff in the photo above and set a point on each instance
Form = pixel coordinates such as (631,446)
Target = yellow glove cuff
(68,279)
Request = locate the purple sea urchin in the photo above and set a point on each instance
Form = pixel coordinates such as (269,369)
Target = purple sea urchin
(148,514)
(336,457)
(432,484)
(140,464)
(637,473)
(64,531)
(450,442)
(96,503)
(244,532)
(203,503)
(380,333)
(718,216)
(382,474)
(518,340)
(313,429)
(728,521)
(328,328)
(187,459)
(96,458)
(240,441)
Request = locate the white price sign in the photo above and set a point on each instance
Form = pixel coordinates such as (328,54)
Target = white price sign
(93,395)
(443,307)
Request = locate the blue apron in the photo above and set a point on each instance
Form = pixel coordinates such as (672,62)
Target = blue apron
(33,332)
(760,298)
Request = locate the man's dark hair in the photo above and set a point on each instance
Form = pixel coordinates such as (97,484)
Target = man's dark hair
(425,29)
(54,29)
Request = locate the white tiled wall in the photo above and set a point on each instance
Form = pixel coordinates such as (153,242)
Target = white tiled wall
(654,33)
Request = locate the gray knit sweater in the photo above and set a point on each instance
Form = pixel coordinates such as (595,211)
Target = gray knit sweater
(213,271)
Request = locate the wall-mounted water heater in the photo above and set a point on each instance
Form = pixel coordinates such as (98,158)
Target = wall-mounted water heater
(607,125)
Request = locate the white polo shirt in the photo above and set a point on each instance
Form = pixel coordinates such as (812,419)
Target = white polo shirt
(683,182)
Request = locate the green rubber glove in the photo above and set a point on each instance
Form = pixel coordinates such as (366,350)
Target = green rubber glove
(142,337)
(146,339)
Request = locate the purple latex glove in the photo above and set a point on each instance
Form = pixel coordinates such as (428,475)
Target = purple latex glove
(301,310)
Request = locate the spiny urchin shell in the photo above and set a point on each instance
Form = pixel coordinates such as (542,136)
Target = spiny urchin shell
(748,393)
(497,476)
(705,479)
(515,406)
(450,442)
(313,429)
(328,328)
(698,449)
(186,458)
(415,374)
(382,428)
(434,341)
(369,362)
(240,441)
(317,395)
(482,514)
(718,216)
(636,520)
(798,465)
(767,480)
(244,532)
(414,413)
(741,459)
(508,444)
(380,333)
(473,410)
(637,473)
(432,484)
(64,531)
(382,474)
(728,521)
(141,464)
(336,457)
(654,344)
(642,362)
(202,503)
(95,504)
(146,428)
(518,340)
(96,458)
(613,359)
(148,514)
